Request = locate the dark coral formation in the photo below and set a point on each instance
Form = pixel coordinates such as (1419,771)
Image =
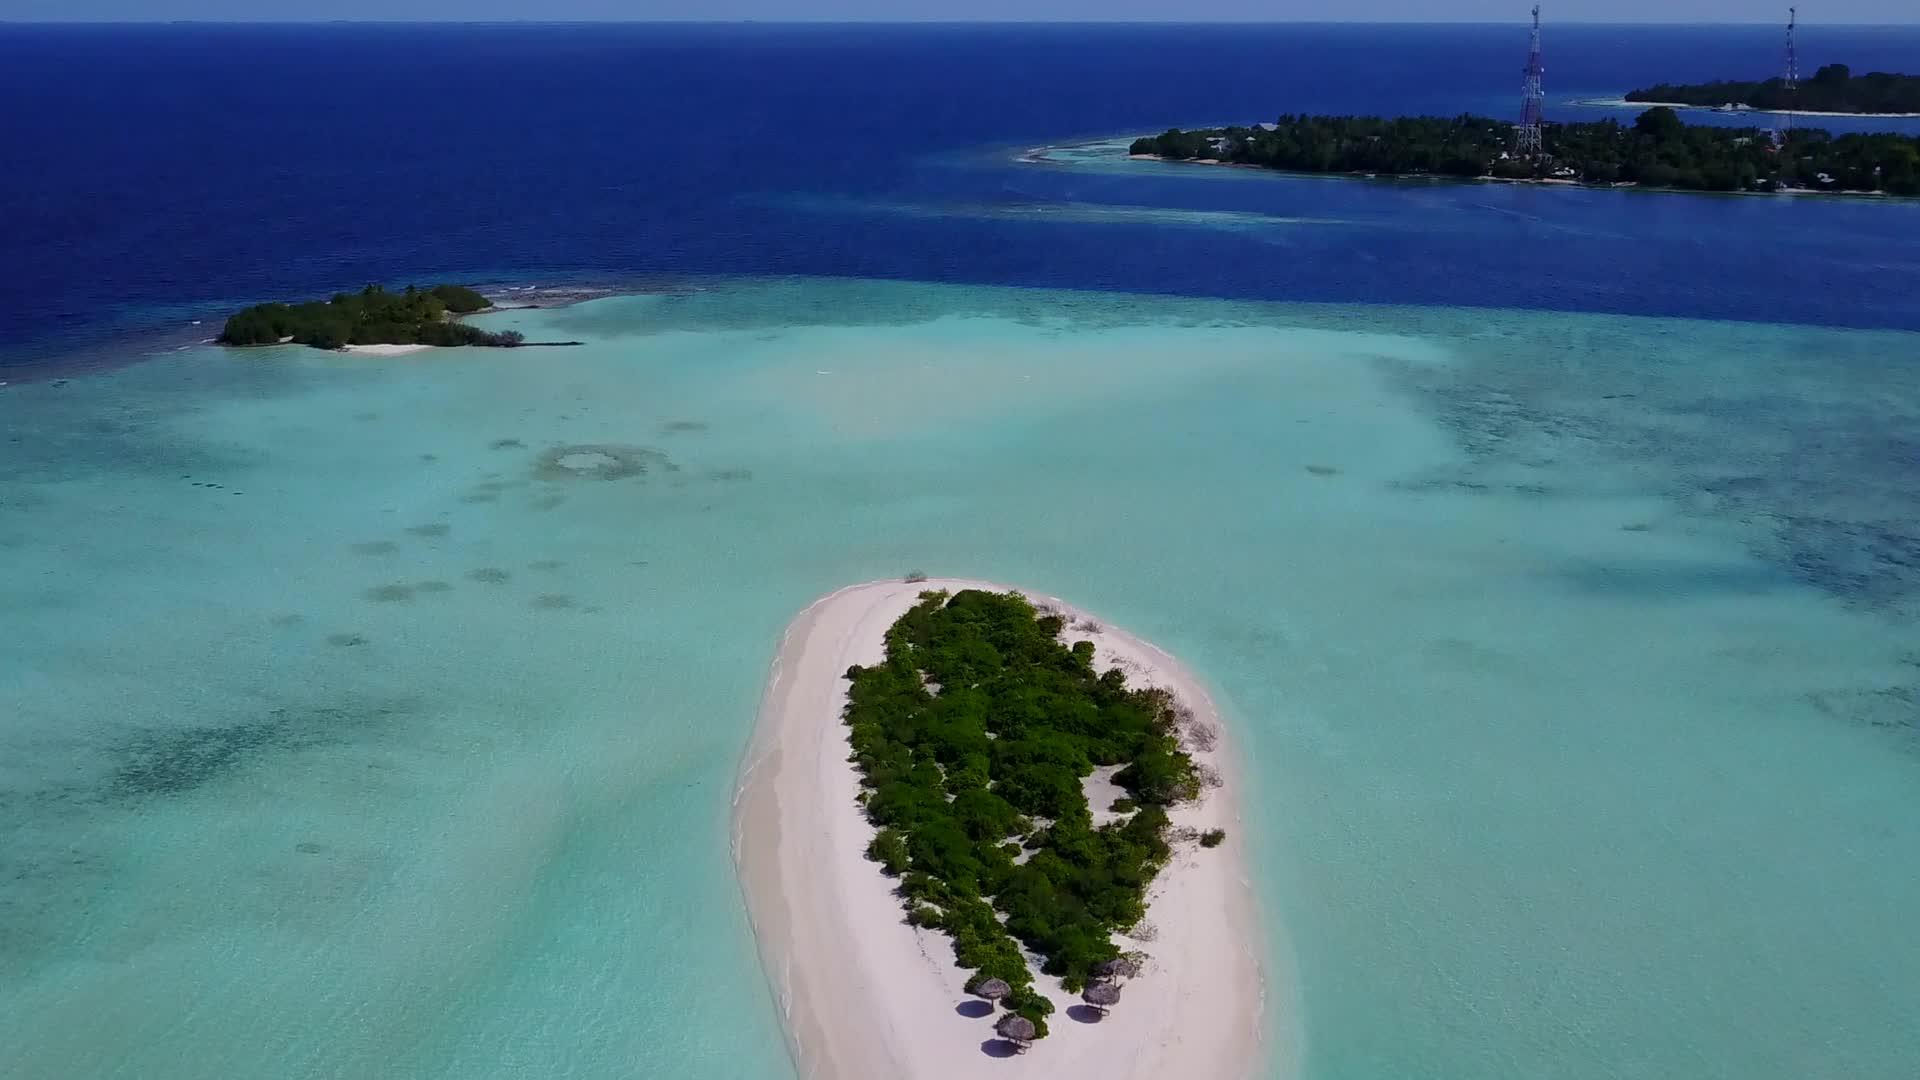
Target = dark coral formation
(598,461)
(165,763)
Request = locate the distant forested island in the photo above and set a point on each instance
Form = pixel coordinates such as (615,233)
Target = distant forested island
(1832,89)
(1656,150)
(372,316)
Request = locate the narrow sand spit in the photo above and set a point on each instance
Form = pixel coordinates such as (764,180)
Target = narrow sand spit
(865,995)
(384,350)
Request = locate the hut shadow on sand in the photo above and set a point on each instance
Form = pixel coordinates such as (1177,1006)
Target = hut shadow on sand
(1016,1032)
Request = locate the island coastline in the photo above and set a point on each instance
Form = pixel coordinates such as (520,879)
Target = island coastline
(374,322)
(1534,181)
(1658,151)
(1429,177)
(862,993)
(1623,103)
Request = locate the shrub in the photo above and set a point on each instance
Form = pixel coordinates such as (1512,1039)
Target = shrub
(1124,805)
(459,299)
(1159,776)
(889,849)
(1213,837)
(1030,1003)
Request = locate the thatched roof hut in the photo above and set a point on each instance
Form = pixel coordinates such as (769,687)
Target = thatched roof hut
(1102,995)
(992,989)
(1016,1029)
(1120,967)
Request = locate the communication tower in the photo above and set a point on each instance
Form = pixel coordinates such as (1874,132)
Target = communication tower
(1783,121)
(1533,99)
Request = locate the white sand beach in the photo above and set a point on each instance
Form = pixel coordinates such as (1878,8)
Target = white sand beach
(863,994)
(384,350)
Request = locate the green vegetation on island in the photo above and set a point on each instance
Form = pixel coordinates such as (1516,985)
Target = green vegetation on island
(1656,150)
(972,739)
(1833,89)
(372,316)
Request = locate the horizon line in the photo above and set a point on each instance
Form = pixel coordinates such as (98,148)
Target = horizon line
(675,21)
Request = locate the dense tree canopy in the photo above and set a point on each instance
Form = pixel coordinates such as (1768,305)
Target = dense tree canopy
(1833,88)
(372,316)
(1657,150)
(972,739)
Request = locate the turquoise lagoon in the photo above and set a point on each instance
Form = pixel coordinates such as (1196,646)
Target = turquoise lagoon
(380,717)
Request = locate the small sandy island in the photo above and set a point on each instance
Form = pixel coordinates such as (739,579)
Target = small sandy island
(863,994)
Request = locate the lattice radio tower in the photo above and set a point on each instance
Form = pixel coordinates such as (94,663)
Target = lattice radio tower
(1783,122)
(1532,98)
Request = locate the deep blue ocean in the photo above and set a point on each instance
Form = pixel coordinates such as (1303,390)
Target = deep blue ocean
(158,173)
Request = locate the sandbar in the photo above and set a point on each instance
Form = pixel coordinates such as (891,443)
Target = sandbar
(384,350)
(863,994)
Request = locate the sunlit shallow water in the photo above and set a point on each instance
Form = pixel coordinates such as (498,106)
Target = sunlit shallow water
(380,717)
